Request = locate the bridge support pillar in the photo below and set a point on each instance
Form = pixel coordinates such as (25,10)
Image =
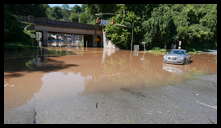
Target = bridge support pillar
(95,37)
(45,38)
(94,41)
(72,38)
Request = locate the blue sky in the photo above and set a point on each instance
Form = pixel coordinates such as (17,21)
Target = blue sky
(70,5)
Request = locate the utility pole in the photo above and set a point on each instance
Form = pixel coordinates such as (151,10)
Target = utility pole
(79,20)
(179,45)
(132,36)
(144,45)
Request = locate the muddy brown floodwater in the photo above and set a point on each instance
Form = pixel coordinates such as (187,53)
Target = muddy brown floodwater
(91,70)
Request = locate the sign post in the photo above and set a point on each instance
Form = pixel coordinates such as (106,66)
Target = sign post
(38,38)
(132,36)
(136,50)
(144,45)
(179,44)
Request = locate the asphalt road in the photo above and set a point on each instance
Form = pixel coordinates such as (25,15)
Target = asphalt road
(193,101)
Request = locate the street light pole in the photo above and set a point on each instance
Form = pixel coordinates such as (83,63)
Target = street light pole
(79,20)
(132,37)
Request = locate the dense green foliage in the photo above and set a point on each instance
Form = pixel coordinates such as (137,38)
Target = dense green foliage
(15,33)
(77,13)
(121,35)
(162,25)
(158,25)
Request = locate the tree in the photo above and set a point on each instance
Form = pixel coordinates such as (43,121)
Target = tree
(209,20)
(66,14)
(74,17)
(120,35)
(84,18)
(94,9)
(14,32)
(189,23)
(142,10)
(76,9)
(192,26)
(37,10)
(57,13)
(160,28)
(65,7)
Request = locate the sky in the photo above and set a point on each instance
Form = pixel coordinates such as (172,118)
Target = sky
(70,5)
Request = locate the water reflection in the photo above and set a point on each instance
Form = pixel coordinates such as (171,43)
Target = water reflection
(37,60)
(178,69)
(57,85)
(108,52)
(40,60)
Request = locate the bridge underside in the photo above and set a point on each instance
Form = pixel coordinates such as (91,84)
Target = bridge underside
(91,37)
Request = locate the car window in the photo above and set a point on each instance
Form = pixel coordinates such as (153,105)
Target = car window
(177,52)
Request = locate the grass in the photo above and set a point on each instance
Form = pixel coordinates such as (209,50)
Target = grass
(157,51)
(160,51)
(194,52)
(198,50)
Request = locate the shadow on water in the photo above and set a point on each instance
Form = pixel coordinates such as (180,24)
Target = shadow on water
(39,60)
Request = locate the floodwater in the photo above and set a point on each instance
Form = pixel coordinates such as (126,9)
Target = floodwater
(55,73)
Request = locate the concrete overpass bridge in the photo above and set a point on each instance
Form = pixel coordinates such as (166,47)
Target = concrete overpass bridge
(92,34)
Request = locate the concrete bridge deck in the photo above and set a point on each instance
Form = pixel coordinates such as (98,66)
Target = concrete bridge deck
(46,26)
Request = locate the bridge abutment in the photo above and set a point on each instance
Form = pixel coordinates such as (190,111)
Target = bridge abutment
(45,38)
(94,41)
